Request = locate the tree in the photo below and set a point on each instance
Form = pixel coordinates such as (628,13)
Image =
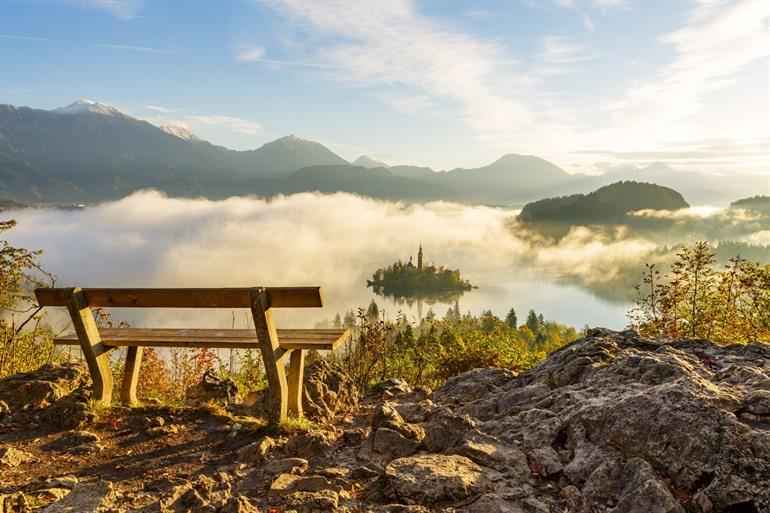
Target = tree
(511,320)
(533,322)
(349,321)
(25,343)
(337,321)
(373,311)
(694,299)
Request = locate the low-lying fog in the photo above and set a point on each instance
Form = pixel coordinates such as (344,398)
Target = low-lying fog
(336,241)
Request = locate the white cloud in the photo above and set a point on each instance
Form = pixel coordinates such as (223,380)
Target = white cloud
(231,124)
(25,38)
(389,45)
(130,48)
(257,54)
(123,9)
(719,40)
(588,23)
(562,50)
(159,108)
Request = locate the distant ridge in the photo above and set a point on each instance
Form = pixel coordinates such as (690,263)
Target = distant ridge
(90,151)
(368,162)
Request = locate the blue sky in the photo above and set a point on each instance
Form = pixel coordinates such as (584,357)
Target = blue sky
(582,83)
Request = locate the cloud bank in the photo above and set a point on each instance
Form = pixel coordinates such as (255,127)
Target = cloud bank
(335,241)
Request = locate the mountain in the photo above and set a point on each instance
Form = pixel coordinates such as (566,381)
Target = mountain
(90,151)
(700,188)
(285,155)
(607,205)
(368,162)
(376,183)
(510,179)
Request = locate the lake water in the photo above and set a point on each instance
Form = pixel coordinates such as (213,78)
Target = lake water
(335,241)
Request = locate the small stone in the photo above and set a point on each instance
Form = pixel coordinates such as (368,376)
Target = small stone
(256,452)
(312,502)
(286,466)
(61,482)
(86,449)
(85,498)
(10,457)
(73,439)
(238,504)
(393,444)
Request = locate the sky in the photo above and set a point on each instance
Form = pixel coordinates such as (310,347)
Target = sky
(586,84)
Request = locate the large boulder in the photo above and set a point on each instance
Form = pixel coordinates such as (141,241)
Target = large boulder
(39,388)
(649,420)
(328,391)
(434,478)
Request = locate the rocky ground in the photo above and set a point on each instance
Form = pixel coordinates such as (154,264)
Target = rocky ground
(609,423)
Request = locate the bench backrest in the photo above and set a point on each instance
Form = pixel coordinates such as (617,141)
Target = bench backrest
(279,297)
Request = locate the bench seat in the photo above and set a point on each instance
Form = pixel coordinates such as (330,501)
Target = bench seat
(288,339)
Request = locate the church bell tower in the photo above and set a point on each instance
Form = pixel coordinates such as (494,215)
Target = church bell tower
(419,259)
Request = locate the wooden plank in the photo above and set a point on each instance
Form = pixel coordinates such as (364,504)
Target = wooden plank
(317,339)
(286,344)
(131,376)
(172,333)
(94,351)
(280,297)
(267,337)
(295,382)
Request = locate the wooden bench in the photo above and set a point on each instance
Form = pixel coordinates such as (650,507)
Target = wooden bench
(275,345)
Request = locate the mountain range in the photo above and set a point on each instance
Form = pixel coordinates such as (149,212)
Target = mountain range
(89,152)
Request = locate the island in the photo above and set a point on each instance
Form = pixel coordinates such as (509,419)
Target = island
(409,281)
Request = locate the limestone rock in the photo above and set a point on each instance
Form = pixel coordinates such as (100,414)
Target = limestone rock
(393,444)
(41,387)
(10,457)
(432,478)
(286,466)
(312,444)
(258,451)
(214,389)
(488,451)
(73,439)
(238,504)
(328,391)
(325,501)
(71,411)
(98,497)
(14,503)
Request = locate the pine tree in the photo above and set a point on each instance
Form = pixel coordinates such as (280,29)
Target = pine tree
(533,322)
(511,319)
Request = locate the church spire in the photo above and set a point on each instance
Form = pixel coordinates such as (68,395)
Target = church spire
(419,259)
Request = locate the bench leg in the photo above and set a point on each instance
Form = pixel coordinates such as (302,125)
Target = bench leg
(267,337)
(131,376)
(94,351)
(296,376)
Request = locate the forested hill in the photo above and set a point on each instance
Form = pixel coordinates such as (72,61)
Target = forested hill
(607,204)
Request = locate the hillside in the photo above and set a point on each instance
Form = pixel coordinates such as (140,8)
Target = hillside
(377,182)
(611,423)
(760,204)
(606,205)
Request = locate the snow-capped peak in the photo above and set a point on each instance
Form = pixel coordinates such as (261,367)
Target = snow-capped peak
(179,131)
(85,105)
